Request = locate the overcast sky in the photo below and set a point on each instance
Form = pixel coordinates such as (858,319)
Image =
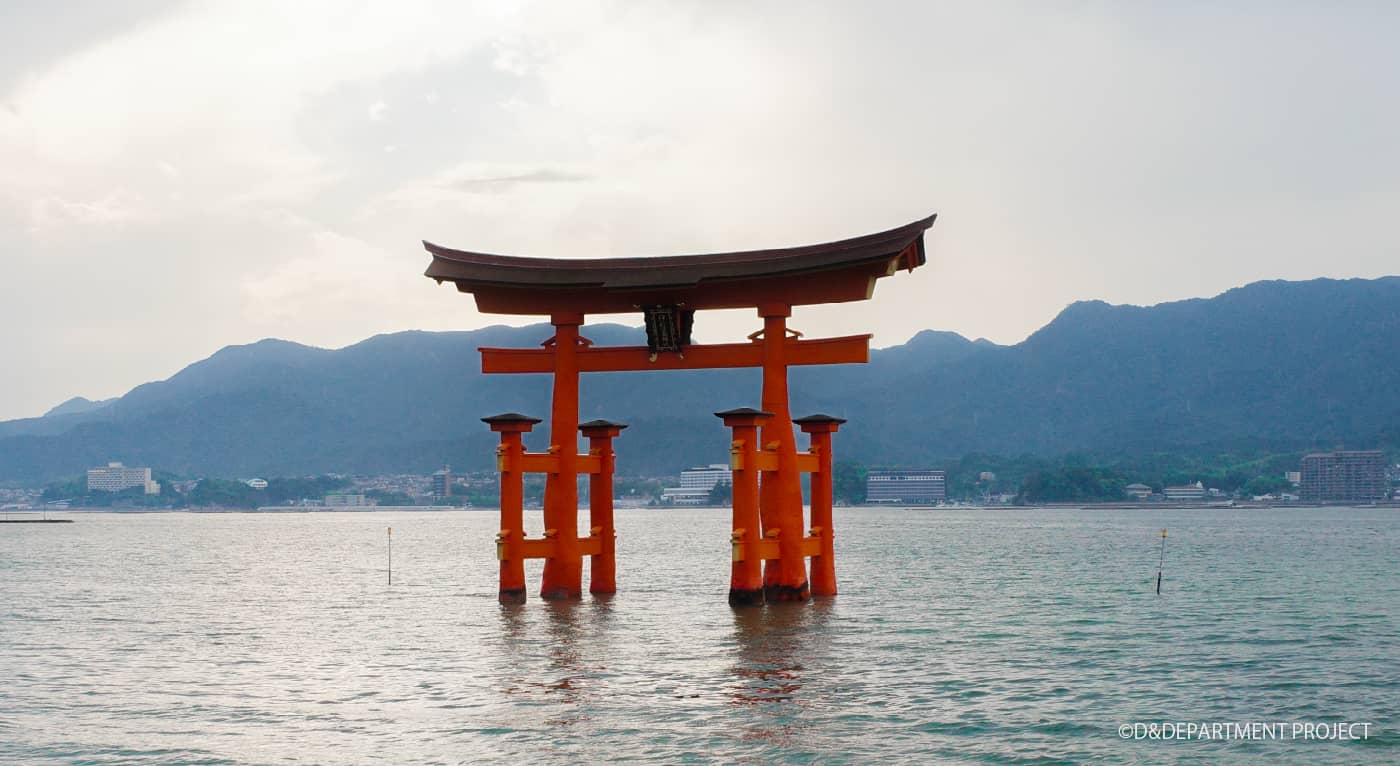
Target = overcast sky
(180,176)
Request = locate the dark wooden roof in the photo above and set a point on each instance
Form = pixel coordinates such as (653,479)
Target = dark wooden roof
(825,273)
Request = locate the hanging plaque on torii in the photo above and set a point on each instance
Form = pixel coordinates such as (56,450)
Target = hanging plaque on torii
(768,543)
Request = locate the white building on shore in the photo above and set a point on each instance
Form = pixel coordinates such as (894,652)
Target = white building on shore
(923,486)
(1185,492)
(117,477)
(696,485)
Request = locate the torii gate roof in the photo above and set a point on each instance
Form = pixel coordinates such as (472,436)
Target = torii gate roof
(832,272)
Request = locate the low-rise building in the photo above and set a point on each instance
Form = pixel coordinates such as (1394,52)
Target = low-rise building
(911,487)
(1184,492)
(1138,491)
(117,477)
(345,500)
(696,485)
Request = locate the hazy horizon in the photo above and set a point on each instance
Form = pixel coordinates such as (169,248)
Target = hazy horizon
(623,320)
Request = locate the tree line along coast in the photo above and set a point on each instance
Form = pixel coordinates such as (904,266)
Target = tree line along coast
(973,479)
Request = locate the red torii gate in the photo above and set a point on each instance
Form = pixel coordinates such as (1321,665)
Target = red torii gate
(767,518)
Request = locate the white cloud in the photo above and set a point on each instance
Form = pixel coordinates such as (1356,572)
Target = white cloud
(221,87)
(50,212)
(242,159)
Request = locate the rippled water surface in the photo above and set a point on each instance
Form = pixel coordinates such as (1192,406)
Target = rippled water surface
(1018,636)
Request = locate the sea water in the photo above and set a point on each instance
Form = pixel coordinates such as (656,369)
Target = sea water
(959,636)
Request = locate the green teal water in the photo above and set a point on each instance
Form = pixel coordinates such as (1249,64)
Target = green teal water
(960,636)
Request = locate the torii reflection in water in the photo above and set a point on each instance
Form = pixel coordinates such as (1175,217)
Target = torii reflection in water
(777,649)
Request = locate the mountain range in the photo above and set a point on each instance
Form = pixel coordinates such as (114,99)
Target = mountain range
(1277,365)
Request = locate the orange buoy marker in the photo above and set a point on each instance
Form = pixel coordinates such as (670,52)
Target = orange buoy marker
(391,555)
(1160,560)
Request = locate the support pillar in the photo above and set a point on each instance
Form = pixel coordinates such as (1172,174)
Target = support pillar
(510,541)
(780,492)
(603,568)
(819,429)
(563,572)
(746,571)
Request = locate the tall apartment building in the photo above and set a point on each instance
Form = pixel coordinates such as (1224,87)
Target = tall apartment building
(696,484)
(442,482)
(1356,475)
(117,477)
(917,487)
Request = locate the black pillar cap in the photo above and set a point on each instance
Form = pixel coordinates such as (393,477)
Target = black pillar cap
(601,424)
(742,411)
(819,418)
(510,417)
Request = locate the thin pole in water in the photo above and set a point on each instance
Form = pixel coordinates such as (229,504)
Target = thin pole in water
(1161,559)
(391,559)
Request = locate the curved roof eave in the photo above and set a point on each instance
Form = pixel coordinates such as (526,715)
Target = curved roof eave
(473,271)
(829,272)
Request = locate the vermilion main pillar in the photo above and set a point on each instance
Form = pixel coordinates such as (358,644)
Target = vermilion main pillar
(780,494)
(563,572)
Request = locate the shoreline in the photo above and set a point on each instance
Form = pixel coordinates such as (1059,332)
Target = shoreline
(1148,506)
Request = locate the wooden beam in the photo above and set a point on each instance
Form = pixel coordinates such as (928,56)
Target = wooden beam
(535,549)
(548,462)
(767,548)
(767,460)
(850,349)
(544,548)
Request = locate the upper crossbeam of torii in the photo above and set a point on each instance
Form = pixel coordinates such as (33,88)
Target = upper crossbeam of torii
(667,291)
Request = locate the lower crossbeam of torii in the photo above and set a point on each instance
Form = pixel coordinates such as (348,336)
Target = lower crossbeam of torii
(770,543)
